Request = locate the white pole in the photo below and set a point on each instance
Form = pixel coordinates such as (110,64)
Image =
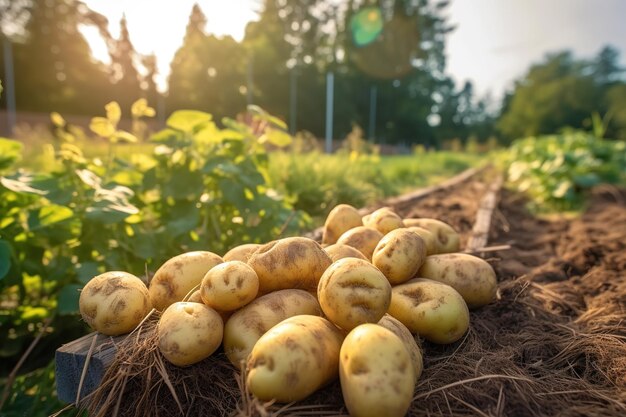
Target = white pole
(329,111)
(9,88)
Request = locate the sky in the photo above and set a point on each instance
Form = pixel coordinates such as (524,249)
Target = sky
(494,43)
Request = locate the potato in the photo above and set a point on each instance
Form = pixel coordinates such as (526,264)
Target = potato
(447,238)
(362,238)
(434,310)
(337,251)
(242,252)
(189,332)
(399,255)
(229,286)
(340,219)
(384,220)
(247,325)
(353,291)
(294,262)
(377,378)
(428,237)
(471,276)
(294,359)
(411,345)
(114,303)
(195,297)
(179,275)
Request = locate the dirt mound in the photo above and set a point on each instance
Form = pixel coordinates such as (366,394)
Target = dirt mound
(553,343)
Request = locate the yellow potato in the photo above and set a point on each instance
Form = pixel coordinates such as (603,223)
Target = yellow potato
(294,359)
(189,332)
(400,330)
(179,275)
(447,238)
(428,237)
(340,219)
(114,303)
(353,291)
(337,251)
(384,220)
(471,276)
(435,311)
(229,286)
(377,378)
(399,255)
(294,262)
(247,325)
(242,252)
(362,238)
(195,297)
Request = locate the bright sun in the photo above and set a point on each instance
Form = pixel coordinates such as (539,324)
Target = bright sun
(159,27)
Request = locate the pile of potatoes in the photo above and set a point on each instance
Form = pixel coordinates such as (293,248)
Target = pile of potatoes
(295,315)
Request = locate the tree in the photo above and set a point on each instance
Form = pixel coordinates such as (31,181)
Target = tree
(124,74)
(53,66)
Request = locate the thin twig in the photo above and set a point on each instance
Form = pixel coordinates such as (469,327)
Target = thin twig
(467,381)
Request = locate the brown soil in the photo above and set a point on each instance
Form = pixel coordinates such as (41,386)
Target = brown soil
(552,344)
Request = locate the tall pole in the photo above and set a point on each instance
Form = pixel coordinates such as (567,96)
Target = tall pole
(372,124)
(293,97)
(330,78)
(9,88)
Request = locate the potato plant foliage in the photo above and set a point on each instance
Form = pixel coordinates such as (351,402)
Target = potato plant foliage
(203,188)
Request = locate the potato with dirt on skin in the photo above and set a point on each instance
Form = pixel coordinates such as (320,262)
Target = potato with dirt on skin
(377,377)
(399,255)
(337,251)
(114,302)
(415,352)
(340,219)
(428,237)
(362,238)
(189,332)
(471,276)
(353,291)
(229,286)
(242,252)
(431,309)
(294,359)
(384,220)
(178,276)
(247,325)
(293,262)
(447,238)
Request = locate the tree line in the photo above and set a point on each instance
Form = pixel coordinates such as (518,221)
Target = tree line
(387,59)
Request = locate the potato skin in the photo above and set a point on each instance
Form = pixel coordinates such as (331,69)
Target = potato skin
(377,378)
(244,328)
(189,332)
(114,302)
(179,275)
(294,359)
(447,238)
(431,309)
(414,349)
(353,291)
(432,246)
(399,255)
(362,238)
(294,262)
(229,286)
(241,253)
(337,251)
(341,218)
(471,276)
(384,220)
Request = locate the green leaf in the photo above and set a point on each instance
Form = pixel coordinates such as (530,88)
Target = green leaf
(123,136)
(102,126)
(184,218)
(86,271)
(10,152)
(5,258)
(57,119)
(49,215)
(184,184)
(67,302)
(276,137)
(90,178)
(114,113)
(188,120)
(140,108)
